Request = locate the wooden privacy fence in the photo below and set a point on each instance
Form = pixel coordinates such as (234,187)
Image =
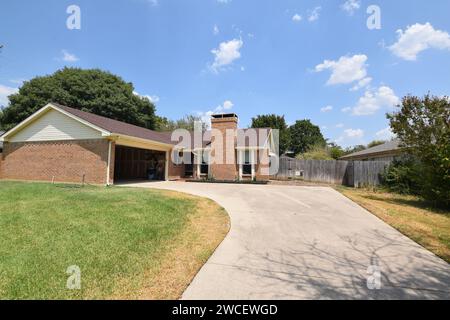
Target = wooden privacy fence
(349,173)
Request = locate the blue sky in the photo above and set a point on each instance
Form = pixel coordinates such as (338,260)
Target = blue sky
(304,59)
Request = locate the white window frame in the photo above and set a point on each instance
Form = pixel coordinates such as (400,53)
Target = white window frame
(241,157)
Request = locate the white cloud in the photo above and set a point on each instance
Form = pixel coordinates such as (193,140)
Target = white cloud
(347,109)
(224,1)
(227,105)
(5,91)
(206,116)
(314,14)
(385,134)
(154,3)
(226,54)
(326,109)
(350,136)
(69,57)
(216,29)
(340,125)
(417,38)
(345,70)
(354,133)
(372,101)
(362,84)
(153,98)
(351,6)
(297,18)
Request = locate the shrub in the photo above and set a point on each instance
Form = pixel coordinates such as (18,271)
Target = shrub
(402,176)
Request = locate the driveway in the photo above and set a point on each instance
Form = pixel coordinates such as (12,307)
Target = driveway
(289,242)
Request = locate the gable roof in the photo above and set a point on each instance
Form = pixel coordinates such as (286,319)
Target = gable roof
(390,146)
(110,127)
(118,127)
(105,125)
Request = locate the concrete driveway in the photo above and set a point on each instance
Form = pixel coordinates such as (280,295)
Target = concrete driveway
(289,242)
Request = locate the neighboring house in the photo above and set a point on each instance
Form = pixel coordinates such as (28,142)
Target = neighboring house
(388,151)
(58,143)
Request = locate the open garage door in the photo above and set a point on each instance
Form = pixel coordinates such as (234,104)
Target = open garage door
(138,164)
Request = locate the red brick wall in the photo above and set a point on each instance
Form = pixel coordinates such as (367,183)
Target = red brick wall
(66,161)
(175,171)
(262,167)
(225,147)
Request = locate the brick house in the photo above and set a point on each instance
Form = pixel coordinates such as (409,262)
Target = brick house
(58,143)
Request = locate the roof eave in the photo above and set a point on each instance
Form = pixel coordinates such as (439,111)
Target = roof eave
(116,136)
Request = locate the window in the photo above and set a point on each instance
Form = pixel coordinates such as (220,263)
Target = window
(204,166)
(247,166)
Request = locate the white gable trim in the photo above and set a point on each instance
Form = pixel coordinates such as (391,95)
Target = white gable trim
(41,112)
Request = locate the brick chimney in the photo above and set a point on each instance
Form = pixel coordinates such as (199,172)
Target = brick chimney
(224,121)
(226,170)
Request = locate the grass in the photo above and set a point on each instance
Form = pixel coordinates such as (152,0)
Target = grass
(128,243)
(410,215)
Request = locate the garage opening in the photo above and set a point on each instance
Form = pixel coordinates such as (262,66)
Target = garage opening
(138,164)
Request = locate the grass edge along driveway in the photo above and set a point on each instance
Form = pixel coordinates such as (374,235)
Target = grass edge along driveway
(128,243)
(411,216)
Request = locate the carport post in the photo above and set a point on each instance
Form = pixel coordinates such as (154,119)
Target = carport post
(166,169)
(108,167)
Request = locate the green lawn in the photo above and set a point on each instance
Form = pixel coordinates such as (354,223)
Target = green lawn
(120,238)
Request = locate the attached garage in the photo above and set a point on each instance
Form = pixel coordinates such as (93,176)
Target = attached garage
(62,144)
(138,164)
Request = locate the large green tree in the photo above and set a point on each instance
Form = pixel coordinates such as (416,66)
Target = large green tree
(304,135)
(187,122)
(90,90)
(423,127)
(274,121)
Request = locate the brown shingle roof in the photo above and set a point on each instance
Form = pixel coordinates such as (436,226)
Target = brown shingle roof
(260,138)
(389,146)
(119,127)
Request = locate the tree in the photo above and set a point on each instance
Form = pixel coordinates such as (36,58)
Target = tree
(423,127)
(274,121)
(375,143)
(354,149)
(90,90)
(335,151)
(187,122)
(304,135)
(317,152)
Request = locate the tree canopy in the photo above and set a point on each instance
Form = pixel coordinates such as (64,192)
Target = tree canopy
(423,127)
(304,135)
(187,122)
(274,121)
(91,90)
